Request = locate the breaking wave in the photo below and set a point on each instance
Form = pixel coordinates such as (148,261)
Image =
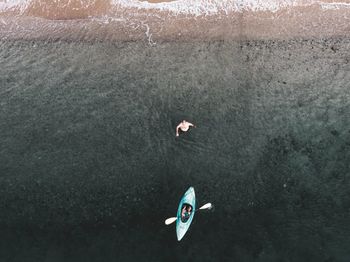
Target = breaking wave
(75,9)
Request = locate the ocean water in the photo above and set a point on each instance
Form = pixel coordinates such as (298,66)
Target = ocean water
(90,165)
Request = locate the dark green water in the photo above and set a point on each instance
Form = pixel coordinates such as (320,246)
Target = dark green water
(90,166)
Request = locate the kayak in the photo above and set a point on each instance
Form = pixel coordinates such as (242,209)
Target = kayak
(185,213)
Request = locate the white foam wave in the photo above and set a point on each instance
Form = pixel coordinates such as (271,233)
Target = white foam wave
(334,5)
(196,7)
(207,7)
(14,5)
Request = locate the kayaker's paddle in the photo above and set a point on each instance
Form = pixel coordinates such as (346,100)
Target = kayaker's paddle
(171,220)
(206,206)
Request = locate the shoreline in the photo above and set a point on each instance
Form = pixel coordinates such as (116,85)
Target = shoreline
(298,22)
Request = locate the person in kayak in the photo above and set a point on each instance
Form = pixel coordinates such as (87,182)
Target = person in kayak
(186,212)
(183,126)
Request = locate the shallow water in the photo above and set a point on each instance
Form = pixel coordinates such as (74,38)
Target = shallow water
(90,165)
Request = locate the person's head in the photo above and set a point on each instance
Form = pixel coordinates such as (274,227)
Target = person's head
(183,121)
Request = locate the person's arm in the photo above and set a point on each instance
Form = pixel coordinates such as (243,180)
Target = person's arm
(177,130)
(190,124)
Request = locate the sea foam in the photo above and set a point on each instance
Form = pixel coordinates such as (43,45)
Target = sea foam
(187,7)
(14,5)
(207,7)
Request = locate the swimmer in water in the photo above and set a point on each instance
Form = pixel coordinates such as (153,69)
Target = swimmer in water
(184,126)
